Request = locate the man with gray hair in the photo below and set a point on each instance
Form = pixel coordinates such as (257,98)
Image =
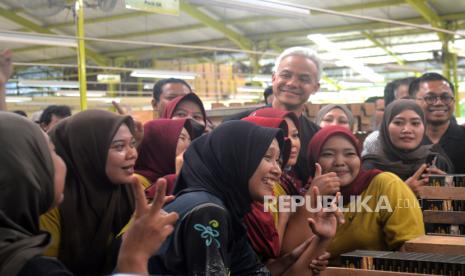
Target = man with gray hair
(296,76)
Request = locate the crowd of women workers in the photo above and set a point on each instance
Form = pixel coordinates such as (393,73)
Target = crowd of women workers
(100,193)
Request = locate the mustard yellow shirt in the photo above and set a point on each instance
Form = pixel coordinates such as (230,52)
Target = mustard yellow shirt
(278,191)
(50,222)
(385,229)
(146,183)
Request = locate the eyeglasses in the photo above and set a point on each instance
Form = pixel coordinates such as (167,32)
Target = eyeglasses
(432,99)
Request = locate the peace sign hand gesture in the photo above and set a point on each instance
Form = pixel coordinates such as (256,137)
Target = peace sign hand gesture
(150,227)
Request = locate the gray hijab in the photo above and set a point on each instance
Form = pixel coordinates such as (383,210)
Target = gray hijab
(327,108)
(388,157)
(26,191)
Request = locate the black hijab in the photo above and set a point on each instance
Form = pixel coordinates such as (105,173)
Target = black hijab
(388,157)
(94,209)
(223,161)
(26,191)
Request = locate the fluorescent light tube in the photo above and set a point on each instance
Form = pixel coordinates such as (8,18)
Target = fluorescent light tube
(250,89)
(262,78)
(344,58)
(272,7)
(18,99)
(76,93)
(105,100)
(48,83)
(37,39)
(162,74)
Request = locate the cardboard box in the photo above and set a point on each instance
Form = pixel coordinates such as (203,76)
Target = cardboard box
(369,109)
(356,109)
(217,105)
(312,109)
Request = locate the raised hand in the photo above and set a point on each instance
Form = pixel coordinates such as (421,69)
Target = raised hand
(320,263)
(325,221)
(150,227)
(415,182)
(138,126)
(179,161)
(327,184)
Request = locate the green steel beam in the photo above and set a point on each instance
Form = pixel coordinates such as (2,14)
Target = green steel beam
(422,7)
(273,44)
(427,12)
(158,31)
(144,50)
(332,82)
(139,13)
(279,35)
(378,43)
(26,23)
(243,42)
(349,28)
(363,6)
(187,28)
(100,19)
(383,34)
(345,8)
(353,27)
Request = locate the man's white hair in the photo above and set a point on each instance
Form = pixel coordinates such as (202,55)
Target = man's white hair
(301,51)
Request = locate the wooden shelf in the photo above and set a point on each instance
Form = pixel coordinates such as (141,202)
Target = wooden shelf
(445,217)
(454,193)
(340,271)
(437,244)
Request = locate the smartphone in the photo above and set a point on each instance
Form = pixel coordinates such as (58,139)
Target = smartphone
(431,159)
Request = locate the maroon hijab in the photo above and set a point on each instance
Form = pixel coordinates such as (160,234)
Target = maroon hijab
(289,181)
(271,112)
(173,104)
(157,152)
(315,146)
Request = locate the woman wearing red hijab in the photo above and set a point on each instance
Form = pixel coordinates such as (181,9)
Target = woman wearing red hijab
(189,106)
(289,182)
(164,140)
(266,230)
(336,151)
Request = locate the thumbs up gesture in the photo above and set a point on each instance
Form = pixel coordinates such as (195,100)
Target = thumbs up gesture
(328,183)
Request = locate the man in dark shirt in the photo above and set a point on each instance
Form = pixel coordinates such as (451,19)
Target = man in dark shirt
(435,94)
(167,89)
(296,76)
